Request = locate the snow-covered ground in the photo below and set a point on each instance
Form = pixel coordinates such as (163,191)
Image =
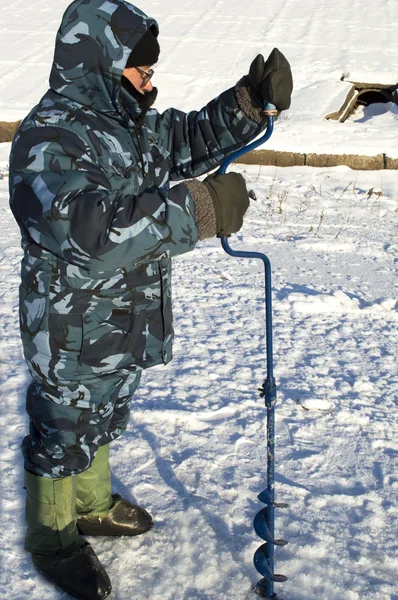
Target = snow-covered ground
(194,453)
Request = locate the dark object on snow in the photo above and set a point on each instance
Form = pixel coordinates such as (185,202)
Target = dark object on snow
(80,574)
(98,511)
(123,518)
(264,521)
(272,80)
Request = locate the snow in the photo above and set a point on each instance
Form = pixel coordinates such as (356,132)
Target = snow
(195,451)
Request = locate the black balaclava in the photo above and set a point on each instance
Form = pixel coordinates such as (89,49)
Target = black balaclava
(145,100)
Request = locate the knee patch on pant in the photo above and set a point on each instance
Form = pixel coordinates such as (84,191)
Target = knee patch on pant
(64,436)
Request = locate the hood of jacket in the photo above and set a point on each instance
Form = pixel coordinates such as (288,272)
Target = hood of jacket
(92,46)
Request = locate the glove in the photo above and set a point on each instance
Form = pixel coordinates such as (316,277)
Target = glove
(272,80)
(230,199)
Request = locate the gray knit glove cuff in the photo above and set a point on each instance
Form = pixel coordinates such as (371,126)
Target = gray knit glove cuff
(248,101)
(204,208)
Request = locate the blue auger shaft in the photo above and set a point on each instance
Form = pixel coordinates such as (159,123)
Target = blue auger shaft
(264,523)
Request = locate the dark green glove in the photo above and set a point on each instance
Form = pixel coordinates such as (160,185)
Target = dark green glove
(229,195)
(272,80)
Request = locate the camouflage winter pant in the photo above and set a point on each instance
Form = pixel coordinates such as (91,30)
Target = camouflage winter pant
(66,430)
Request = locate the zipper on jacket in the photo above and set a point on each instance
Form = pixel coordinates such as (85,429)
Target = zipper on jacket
(162,310)
(137,128)
(137,136)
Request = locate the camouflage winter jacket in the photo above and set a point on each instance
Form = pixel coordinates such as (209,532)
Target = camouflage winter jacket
(89,188)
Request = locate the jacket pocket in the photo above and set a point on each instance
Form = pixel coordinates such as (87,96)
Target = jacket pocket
(120,337)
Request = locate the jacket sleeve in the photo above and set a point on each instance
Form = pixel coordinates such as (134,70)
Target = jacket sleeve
(199,140)
(65,202)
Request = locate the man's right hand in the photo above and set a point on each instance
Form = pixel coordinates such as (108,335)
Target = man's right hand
(230,198)
(272,80)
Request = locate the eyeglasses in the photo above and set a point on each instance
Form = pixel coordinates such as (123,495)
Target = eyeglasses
(146,76)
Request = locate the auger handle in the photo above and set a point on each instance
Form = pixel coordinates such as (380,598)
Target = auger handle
(269,386)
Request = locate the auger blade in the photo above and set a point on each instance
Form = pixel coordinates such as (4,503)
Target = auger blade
(260,524)
(265,498)
(261,563)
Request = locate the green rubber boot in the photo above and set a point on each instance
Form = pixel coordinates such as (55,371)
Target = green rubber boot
(93,486)
(58,552)
(99,512)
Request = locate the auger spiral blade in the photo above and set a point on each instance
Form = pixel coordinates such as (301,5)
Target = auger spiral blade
(261,589)
(261,563)
(261,528)
(265,498)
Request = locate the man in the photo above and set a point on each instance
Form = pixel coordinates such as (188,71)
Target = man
(89,183)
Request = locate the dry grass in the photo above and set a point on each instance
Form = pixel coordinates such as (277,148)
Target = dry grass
(7,130)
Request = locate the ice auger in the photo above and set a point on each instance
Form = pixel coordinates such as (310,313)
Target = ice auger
(264,520)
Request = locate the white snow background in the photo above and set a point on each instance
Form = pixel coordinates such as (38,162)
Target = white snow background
(194,454)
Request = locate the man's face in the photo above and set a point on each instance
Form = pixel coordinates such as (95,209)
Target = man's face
(137,77)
